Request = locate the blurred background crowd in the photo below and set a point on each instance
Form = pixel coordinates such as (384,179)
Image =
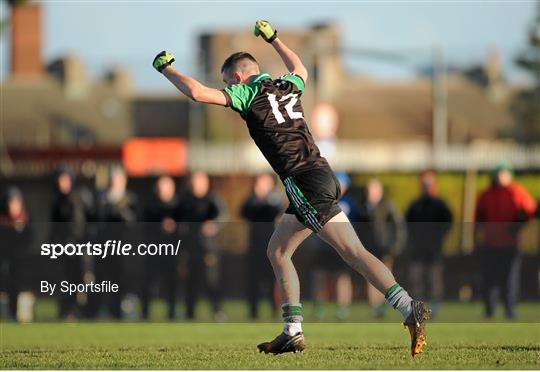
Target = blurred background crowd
(438,156)
(223,252)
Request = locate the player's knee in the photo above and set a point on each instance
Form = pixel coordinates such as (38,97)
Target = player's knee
(272,252)
(276,253)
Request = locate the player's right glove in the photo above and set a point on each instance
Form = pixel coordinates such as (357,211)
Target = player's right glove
(163,60)
(265,30)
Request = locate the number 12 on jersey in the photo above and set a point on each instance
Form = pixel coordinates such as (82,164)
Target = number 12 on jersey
(292,97)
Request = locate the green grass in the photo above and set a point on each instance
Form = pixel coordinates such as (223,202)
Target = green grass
(459,339)
(232,346)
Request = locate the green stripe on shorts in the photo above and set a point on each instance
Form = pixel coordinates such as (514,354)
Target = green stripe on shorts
(302,206)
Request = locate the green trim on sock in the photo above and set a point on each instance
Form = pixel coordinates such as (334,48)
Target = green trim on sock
(391,290)
(291,310)
(285,307)
(289,315)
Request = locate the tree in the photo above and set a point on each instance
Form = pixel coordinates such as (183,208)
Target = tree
(525,107)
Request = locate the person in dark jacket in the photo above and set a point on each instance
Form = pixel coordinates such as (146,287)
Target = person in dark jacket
(15,238)
(117,212)
(160,222)
(261,209)
(429,220)
(382,230)
(200,209)
(68,224)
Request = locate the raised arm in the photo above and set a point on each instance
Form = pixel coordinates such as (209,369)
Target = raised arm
(192,88)
(290,58)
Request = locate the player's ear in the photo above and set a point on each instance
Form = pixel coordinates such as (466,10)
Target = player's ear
(238,76)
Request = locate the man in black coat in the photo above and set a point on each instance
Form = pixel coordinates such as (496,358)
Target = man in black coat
(68,225)
(117,212)
(429,220)
(200,210)
(161,227)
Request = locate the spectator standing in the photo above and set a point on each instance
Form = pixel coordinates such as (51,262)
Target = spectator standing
(381,229)
(200,211)
(117,211)
(261,209)
(429,220)
(501,211)
(15,235)
(160,223)
(68,217)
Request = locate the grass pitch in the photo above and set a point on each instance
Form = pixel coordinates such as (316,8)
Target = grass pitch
(233,346)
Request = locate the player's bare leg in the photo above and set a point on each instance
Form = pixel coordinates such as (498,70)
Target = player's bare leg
(340,234)
(287,236)
(375,298)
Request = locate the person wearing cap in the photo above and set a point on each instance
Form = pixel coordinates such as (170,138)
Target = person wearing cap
(429,220)
(501,211)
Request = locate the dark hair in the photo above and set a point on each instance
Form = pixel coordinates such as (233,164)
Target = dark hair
(11,193)
(64,169)
(232,61)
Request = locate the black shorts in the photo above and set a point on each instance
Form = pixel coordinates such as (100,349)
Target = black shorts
(313,197)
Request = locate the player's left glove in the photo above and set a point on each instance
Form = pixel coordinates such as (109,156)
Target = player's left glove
(265,30)
(163,60)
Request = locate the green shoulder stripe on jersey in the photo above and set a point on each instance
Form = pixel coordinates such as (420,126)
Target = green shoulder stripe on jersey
(240,96)
(295,79)
(262,76)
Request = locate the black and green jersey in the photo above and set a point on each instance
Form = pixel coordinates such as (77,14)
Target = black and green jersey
(275,119)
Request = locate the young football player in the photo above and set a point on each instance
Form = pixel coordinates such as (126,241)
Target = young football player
(275,120)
